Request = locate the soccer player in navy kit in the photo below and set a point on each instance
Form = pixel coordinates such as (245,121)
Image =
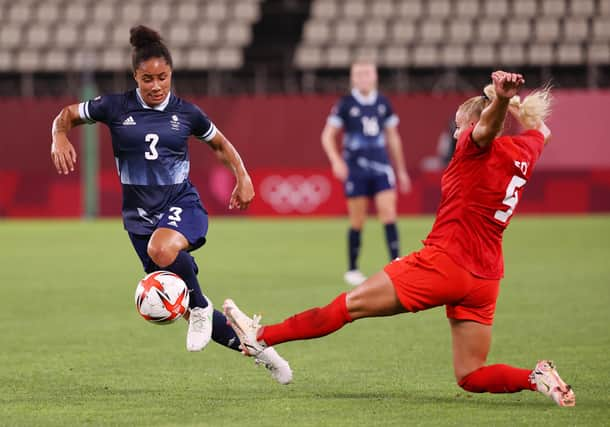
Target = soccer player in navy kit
(370,134)
(162,211)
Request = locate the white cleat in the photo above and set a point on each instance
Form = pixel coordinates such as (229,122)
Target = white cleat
(245,328)
(354,277)
(549,383)
(279,368)
(200,327)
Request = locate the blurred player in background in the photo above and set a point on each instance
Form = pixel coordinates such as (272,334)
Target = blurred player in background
(370,134)
(162,211)
(461,263)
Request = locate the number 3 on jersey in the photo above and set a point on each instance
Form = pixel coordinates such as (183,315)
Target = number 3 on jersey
(152,154)
(511,199)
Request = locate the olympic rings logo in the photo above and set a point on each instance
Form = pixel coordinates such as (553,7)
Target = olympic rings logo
(295,192)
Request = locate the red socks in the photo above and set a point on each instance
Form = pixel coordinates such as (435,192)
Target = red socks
(313,323)
(497,379)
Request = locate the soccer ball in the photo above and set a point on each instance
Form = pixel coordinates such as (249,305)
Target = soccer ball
(162,297)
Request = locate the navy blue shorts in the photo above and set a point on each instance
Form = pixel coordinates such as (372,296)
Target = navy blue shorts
(368,183)
(189,220)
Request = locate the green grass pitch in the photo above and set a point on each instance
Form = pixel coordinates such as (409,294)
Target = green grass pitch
(73,351)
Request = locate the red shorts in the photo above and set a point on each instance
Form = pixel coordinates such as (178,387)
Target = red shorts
(429,278)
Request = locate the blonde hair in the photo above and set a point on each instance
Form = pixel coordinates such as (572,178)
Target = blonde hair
(535,107)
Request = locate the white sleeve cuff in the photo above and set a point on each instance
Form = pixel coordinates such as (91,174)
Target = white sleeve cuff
(83,112)
(391,121)
(210,134)
(335,121)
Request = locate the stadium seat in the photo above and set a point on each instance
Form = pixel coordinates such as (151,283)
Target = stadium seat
(324,9)
(54,60)
(518,31)
(67,36)
(237,34)
(439,9)
(402,31)
(229,58)
(160,13)
(432,31)
(198,58)
(119,36)
(187,11)
(246,11)
(103,13)
(94,36)
(604,8)
(570,54)
(354,9)
(467,8)
(582,8)
(453,55)
(425,56)
(338,57)
(460,31)
(524,8)
(216,10)
(601,29)
(512,54)
(367,53)
(19,13)
(181,35)
(575,29)
(410,9)
(115,60)
(346,32)
(37,36)
(178,58)
(131,12)
(316,32)
(553,8)
(489,30)
(598,53)
(27,60)
(394,56)
(374,32)
(6,60)
(495,8)
(382,9)
(546,30)
(82,60)
(10,36)
(47,12)
(483,55)
(207,34)
(540,54)
(76,13)
(308,57)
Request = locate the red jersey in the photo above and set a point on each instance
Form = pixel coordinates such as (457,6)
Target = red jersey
(479,192)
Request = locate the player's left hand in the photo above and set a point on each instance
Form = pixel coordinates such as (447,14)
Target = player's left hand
(507,84)
(242,195)
(404,183)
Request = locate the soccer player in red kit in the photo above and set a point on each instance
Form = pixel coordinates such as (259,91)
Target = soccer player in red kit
(461,263)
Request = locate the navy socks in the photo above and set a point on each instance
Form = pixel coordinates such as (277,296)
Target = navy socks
(185,267)
(222,333)
(391,237)
(353,242)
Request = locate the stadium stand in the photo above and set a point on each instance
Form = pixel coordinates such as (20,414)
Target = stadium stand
(266,45)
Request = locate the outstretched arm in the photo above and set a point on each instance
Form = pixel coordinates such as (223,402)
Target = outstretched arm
(62,150)
(492,118)
(243,193)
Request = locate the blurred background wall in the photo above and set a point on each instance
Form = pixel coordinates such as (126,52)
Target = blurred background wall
(268,72)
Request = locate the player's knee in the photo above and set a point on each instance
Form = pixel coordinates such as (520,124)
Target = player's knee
(162,255)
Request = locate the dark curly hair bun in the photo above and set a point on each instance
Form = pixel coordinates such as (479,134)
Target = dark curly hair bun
(142,36)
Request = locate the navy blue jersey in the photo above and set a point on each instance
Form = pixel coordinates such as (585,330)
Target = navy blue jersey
(151,152)
(363,120)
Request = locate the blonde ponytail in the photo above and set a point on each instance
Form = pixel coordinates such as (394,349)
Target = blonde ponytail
(535,108)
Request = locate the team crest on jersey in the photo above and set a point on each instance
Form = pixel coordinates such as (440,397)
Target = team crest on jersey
(381,109)
(175,122)
(354,111)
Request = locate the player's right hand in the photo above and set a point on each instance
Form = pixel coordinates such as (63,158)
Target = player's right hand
(340,170)
(63,155)
(507,84)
